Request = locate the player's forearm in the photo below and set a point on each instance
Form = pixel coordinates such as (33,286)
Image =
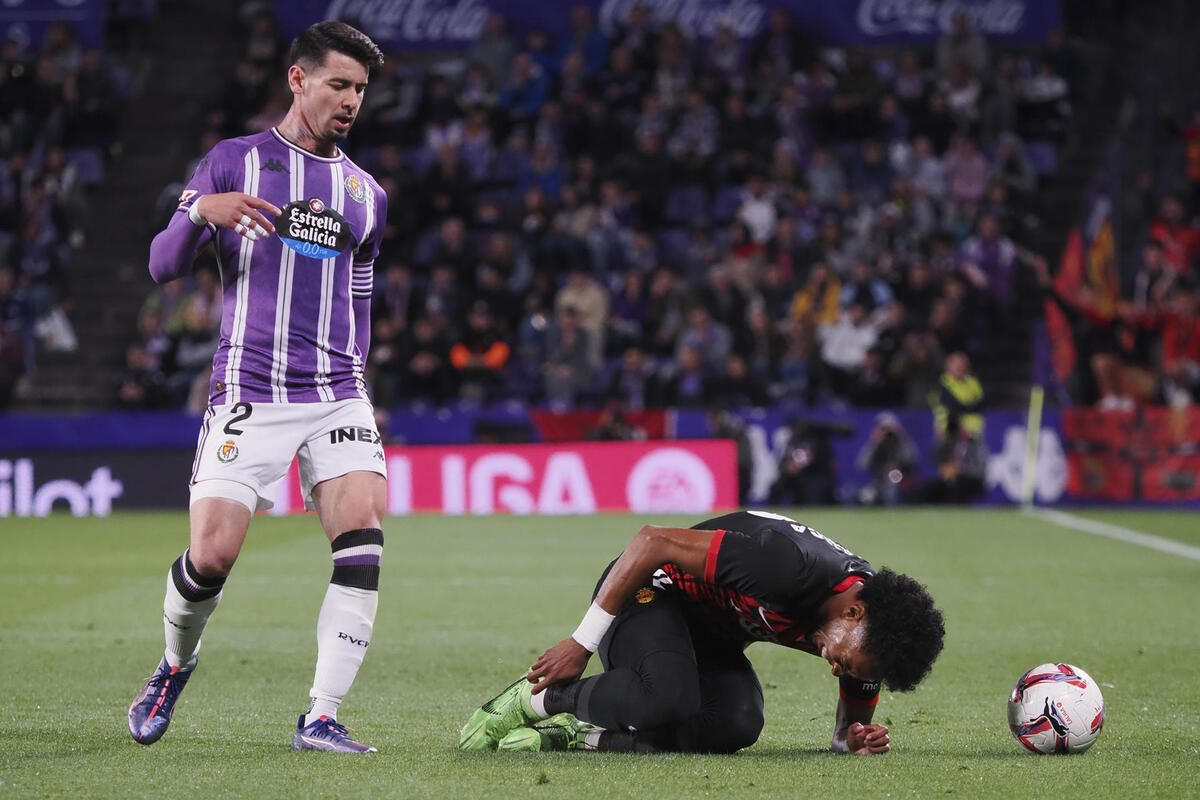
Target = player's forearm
(362,325)
(650,549)
(848,714)
(174,249)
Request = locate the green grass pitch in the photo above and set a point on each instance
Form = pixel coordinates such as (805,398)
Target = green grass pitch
(467,603)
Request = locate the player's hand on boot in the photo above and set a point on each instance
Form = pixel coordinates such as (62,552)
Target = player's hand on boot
(250,216)
(866,739)
(564,662)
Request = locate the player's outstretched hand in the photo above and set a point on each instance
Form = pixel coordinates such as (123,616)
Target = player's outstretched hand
(566,661)
(250,216)
(866,739)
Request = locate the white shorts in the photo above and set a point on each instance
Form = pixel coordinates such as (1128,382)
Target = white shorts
(246,449)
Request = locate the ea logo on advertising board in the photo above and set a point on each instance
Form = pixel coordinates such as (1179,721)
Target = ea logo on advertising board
(670,480)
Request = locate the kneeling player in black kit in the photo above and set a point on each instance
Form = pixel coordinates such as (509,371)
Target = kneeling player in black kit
(671,618)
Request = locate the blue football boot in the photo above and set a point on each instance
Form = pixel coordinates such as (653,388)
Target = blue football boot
(150,713)
(324,733)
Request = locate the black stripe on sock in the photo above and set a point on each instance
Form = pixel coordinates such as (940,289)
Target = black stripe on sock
(355,538)
(357,576)
(194,595)
(203,581)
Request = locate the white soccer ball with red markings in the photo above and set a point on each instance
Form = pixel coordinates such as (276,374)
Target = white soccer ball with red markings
(1056,708)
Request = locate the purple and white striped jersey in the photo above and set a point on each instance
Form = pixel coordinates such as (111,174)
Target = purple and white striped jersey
(295,323)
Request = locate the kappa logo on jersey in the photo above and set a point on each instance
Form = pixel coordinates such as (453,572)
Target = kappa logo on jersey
(227,452)
(188,194)
(274,165)
(312,229)
(356,188)
(644,595)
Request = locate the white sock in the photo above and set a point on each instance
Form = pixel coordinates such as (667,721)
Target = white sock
(343,634)
(183,624)
(538,703)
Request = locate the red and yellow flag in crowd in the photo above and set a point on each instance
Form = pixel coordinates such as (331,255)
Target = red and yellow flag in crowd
(1093,265)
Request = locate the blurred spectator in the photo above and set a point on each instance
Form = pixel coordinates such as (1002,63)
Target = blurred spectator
(710,339)
(568,369)
(591,303)
(634,383)
(683,382)
(16,336)
(826,180)
(798,363)
(889,456)
(1154,278)
(962,44)
(142,385)
(1046,105)
(917,368)
(735,386)
(480,355)
(614,426)
(665,311)
(961,458)
(935,122)
(1112,351)
(759,342)
(625,327)
(819,300)
(966,179)
(1179,238)
(962,90)
(1011,166)
(1178,322)
(844,346)
(493,50)
(865,288)
(872,385)
(988,260)
(909,82)
(806,472)
(423,370)
(959,404)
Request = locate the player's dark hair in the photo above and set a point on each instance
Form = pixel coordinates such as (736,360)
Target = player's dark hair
(904,630)
(311,46)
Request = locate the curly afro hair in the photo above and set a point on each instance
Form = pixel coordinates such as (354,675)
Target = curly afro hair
(904,630)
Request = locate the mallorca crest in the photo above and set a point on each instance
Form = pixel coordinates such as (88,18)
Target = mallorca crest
(356,188)
(227,452)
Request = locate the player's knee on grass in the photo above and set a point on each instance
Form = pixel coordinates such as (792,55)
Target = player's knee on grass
(738,727)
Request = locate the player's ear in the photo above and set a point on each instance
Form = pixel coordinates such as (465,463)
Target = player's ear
(296,77)
(855,611)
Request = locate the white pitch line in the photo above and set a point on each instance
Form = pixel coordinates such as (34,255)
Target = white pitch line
(1116,532)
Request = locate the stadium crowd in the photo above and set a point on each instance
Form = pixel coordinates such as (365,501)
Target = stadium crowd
(645,219)
(58,109)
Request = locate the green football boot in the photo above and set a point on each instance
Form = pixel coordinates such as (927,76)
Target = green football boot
(560,732)
(495,718)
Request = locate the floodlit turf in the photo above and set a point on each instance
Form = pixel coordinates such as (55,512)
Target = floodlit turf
(467,603)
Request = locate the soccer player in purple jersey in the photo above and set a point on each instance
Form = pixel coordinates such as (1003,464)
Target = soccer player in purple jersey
(296,227)
(671,617)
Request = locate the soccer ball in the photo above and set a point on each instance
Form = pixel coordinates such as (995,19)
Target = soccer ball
(1056,708)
